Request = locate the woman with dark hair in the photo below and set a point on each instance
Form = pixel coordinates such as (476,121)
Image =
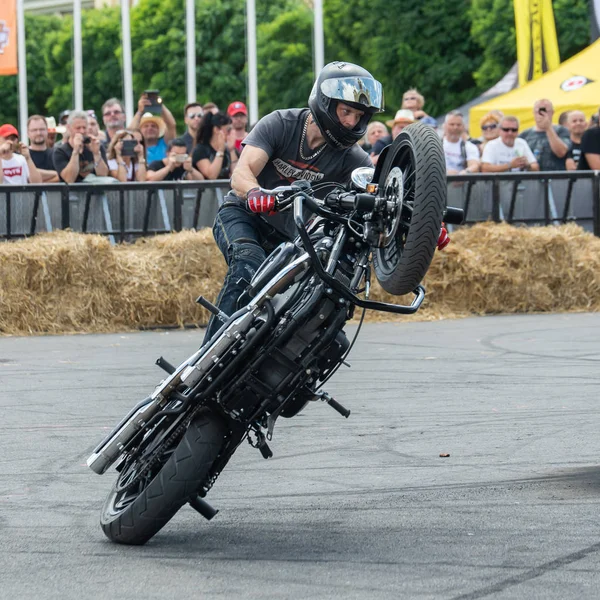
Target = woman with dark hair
(211,156)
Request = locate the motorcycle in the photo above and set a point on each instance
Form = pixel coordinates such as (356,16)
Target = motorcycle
(271,358)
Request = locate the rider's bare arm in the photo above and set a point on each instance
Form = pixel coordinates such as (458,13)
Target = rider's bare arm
(251,163)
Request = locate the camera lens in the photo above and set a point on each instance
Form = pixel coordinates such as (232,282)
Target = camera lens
(87,139)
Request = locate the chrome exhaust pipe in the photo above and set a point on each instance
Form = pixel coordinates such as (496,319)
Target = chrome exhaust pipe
(112,446)
(189,372)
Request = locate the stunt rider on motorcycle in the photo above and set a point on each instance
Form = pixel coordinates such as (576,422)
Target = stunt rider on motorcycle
(317,144)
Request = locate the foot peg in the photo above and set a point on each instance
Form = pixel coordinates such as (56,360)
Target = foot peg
(265,450)
(261,443)
(203,507)
(165,365)
(210,307)
(335,405)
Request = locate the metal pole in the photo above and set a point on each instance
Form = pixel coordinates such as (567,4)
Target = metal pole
(190,32)
(22,66)
(319,58)
(77,56)
(252,72)
(127,68)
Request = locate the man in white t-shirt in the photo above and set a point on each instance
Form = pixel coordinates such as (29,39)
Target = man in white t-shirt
(508,152)
(15,160)
(461,155)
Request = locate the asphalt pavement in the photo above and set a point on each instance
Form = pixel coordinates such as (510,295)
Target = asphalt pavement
(359,508)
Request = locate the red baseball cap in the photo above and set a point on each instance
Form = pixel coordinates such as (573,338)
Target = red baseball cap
(7,130)
(237,107)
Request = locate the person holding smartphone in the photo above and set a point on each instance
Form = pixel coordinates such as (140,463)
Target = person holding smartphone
(549,143)
(126,157)
(176,166)
(156,122)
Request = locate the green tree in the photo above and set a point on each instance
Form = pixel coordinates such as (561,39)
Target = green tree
(285,69)
(409,44)
(101,37)
(159,48)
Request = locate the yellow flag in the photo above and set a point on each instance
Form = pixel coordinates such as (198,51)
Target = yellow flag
(537,46)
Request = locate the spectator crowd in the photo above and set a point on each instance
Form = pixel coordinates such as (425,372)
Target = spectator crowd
(150,149)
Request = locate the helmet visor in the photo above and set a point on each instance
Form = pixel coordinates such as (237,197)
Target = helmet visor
(365,91)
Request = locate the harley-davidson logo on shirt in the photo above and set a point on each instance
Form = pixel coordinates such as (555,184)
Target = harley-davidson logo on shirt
(289,171)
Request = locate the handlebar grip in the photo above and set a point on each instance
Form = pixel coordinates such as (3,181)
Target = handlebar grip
(365,202)
(454,216)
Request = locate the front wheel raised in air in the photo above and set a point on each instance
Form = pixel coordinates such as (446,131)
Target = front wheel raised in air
(413,177)
(137,508)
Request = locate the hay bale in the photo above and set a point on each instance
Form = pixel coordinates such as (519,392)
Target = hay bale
(497,268)
(67,282)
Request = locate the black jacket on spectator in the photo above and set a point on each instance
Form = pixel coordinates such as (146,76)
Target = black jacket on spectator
(590,144)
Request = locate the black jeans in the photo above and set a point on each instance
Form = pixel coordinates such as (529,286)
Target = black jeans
(244,239)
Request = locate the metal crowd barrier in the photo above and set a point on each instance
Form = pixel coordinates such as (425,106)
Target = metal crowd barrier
(532,198)
(120,210)
(124,211)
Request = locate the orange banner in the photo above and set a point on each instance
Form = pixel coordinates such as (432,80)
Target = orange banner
(8,37)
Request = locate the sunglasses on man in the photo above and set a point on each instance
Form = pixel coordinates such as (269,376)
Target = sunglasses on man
(510,129)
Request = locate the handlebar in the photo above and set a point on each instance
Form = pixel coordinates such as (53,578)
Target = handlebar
(347,294)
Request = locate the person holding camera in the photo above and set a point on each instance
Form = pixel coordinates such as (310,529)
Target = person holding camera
(126,156)
(81,158)
(549,143)
(176,166)
(17,166)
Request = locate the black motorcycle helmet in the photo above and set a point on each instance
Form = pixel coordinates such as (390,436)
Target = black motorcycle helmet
(352,85)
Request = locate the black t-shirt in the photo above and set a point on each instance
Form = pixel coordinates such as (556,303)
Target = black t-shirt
(202,151)
(177,174)
(189,141)
(279,135)
(61,155)
(590,144)
(574,152)
(42,159)
(540,146)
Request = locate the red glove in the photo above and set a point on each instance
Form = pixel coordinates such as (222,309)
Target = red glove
(443,240)
(261,201)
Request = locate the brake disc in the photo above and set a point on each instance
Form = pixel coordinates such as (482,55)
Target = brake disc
(393,193)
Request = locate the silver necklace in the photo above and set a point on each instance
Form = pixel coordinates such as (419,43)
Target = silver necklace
(303,138)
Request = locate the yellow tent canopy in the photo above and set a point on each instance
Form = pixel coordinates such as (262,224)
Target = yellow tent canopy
(575,84)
